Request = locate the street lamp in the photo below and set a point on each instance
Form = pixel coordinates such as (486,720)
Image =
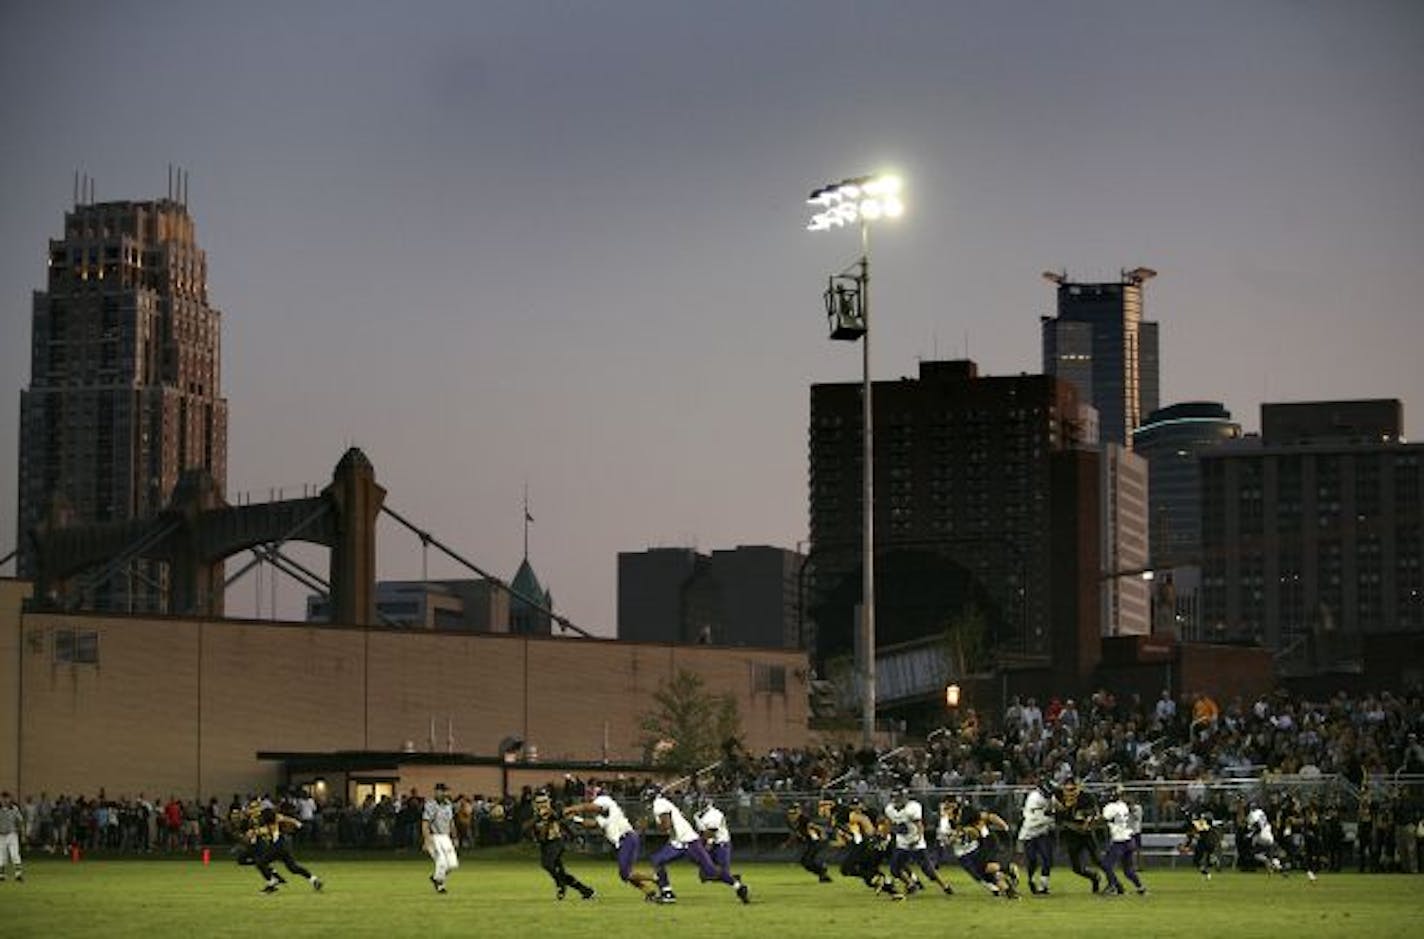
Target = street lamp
(861,200)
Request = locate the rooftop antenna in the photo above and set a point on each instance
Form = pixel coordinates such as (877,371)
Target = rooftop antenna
(170,182)
(527,519)
(76,188)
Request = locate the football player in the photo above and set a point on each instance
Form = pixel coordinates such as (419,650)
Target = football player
(1036,835)
(1122,843)
(864,848)
(809,835)
(549,832)
(907,823)
(272,838)
(711,822)
(1262,839)
(1203,841)
(972,844)
(683,842)
(600,809)
(1078,824)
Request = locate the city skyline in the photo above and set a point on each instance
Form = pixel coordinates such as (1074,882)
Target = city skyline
(559,247)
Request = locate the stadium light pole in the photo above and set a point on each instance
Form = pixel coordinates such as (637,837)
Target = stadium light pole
(861,200)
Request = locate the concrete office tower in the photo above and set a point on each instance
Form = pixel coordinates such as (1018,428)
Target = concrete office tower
(125,369)
(1126,595)
(1311,533)
(744,596)
(977,506)
(1100,343)
(1173,439)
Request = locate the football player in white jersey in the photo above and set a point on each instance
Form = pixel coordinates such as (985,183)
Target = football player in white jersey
(599,808)
(683,842)
(907,823)
(1036,834)
(1122,843)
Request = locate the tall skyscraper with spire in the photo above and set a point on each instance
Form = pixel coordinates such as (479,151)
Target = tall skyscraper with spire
(125,377)
(1101,344)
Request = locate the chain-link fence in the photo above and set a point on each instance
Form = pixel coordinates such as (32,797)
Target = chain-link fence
(1387,809)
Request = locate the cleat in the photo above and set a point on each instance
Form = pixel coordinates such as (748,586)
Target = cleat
(559,894)
(895,895)
(589,894)
(1142,891)
(824,878)
(1097,885)
(667,896)
(743,893)
(317,884)
(948,890)
(1309,874)
(270,887)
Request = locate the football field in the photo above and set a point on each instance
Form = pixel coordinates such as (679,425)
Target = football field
(509,895)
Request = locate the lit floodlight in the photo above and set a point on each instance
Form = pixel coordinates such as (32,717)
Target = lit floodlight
(858,199)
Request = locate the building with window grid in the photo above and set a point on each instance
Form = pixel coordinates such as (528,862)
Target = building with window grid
(125,380)
(1312,532)
(985,498)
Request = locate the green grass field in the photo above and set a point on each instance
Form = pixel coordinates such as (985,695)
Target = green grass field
(508,895)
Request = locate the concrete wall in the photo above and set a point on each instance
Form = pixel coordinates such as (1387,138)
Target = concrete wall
(12,594)
(183,706)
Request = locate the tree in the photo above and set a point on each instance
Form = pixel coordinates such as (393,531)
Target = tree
(688,726)
(965,642)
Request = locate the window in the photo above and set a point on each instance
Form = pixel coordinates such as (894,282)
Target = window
(76,646)
(768,679)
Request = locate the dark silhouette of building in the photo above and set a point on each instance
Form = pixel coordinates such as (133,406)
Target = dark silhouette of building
(744,596)
(461,605)
(1172,440)
(1312,534)
(986,512)
(124,392)
(1100,343)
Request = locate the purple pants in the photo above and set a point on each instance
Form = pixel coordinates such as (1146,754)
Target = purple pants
(721,855)
(693,851)
(902,858)
(628,848)
(1121,852)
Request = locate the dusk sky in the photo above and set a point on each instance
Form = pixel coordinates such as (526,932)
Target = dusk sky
(562,245)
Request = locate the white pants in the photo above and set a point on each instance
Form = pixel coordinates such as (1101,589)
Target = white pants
(442,849)
(9,851)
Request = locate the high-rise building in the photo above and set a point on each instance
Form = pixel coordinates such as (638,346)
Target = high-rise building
(1173,439)
(1126,595)
(744,596)
(1312,534)
(1099,342)
(970,498)
(125,369)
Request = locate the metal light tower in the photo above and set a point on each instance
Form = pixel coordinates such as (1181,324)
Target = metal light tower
(861,200)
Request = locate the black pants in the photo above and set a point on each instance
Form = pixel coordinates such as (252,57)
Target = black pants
(277,850)
(551,858)
(862,860)
(1081,848)
(811,858)
(1204,854)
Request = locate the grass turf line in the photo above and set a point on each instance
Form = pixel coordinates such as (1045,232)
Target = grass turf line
(514,897)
